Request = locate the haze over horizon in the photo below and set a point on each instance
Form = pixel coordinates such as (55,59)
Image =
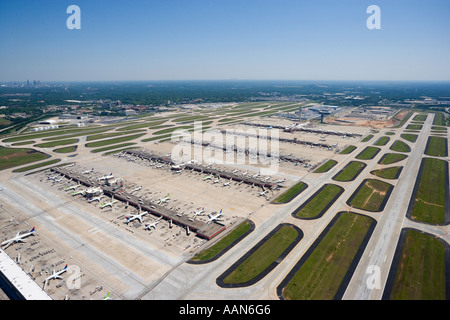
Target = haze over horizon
(285,40)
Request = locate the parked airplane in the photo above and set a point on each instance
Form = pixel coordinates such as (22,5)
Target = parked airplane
(216,181)
(153,225)
(208,177)
(74,193)
(163,200)
(136,216)
(214,218)
(18,238)
(73,187)
(55,275)
(136,189)
(263,193)
(95,198)
(280,181)
(227,183)
(88,171)
(108,204)
(58,180)
(110,176)
(199,213)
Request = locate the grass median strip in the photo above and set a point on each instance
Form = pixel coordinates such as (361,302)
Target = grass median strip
(322,272)
(220,246)
(371,195)
(350,172)
(38,165)
(262,258)
(113,141)
(319,202)
(420,273)
(388,173)
(390,158)
(436,147)
(368,153)
(429,199)
(291,193)
(326,166)
(12,157)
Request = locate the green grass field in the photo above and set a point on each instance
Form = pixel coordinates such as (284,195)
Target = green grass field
(291,193)
(420,117)
(437,147)
(19,156)
(326,166)
(421,270)
(314,206)
(388,173)
(400,146)
(323,271)
(382,141)
(390,158)
(66,149)
(370,136)
(414,127)
(409,137)
(223,243)
(368,153)
(39,165)
(371,195)
(350,172)
(56,143)
(348,150)
(264,256)
(429,203)
(108,142)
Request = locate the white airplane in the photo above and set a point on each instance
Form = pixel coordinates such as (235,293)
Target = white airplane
(153,225)
(73,187)
(199,213)
(108,204)
(208,177)
(58,180)
(18,238)
(214,218)
(95,198)
(245,173)
(88,171)
(94,190)
(55,275)
(74,193)
(163,200)
(281,181)
(136,216)
(53,178)
(110,176)
(227,183)
(216,181)
(263,193)
(136,189)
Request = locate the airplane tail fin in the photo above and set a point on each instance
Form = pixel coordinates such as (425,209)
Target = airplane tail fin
(32,230)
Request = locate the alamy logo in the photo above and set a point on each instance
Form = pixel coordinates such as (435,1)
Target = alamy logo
(74,20)
(374,21)
(231,147)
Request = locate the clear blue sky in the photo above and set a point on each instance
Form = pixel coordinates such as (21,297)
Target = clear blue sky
(224,39)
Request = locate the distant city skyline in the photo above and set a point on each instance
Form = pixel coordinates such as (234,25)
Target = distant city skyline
(224,39)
